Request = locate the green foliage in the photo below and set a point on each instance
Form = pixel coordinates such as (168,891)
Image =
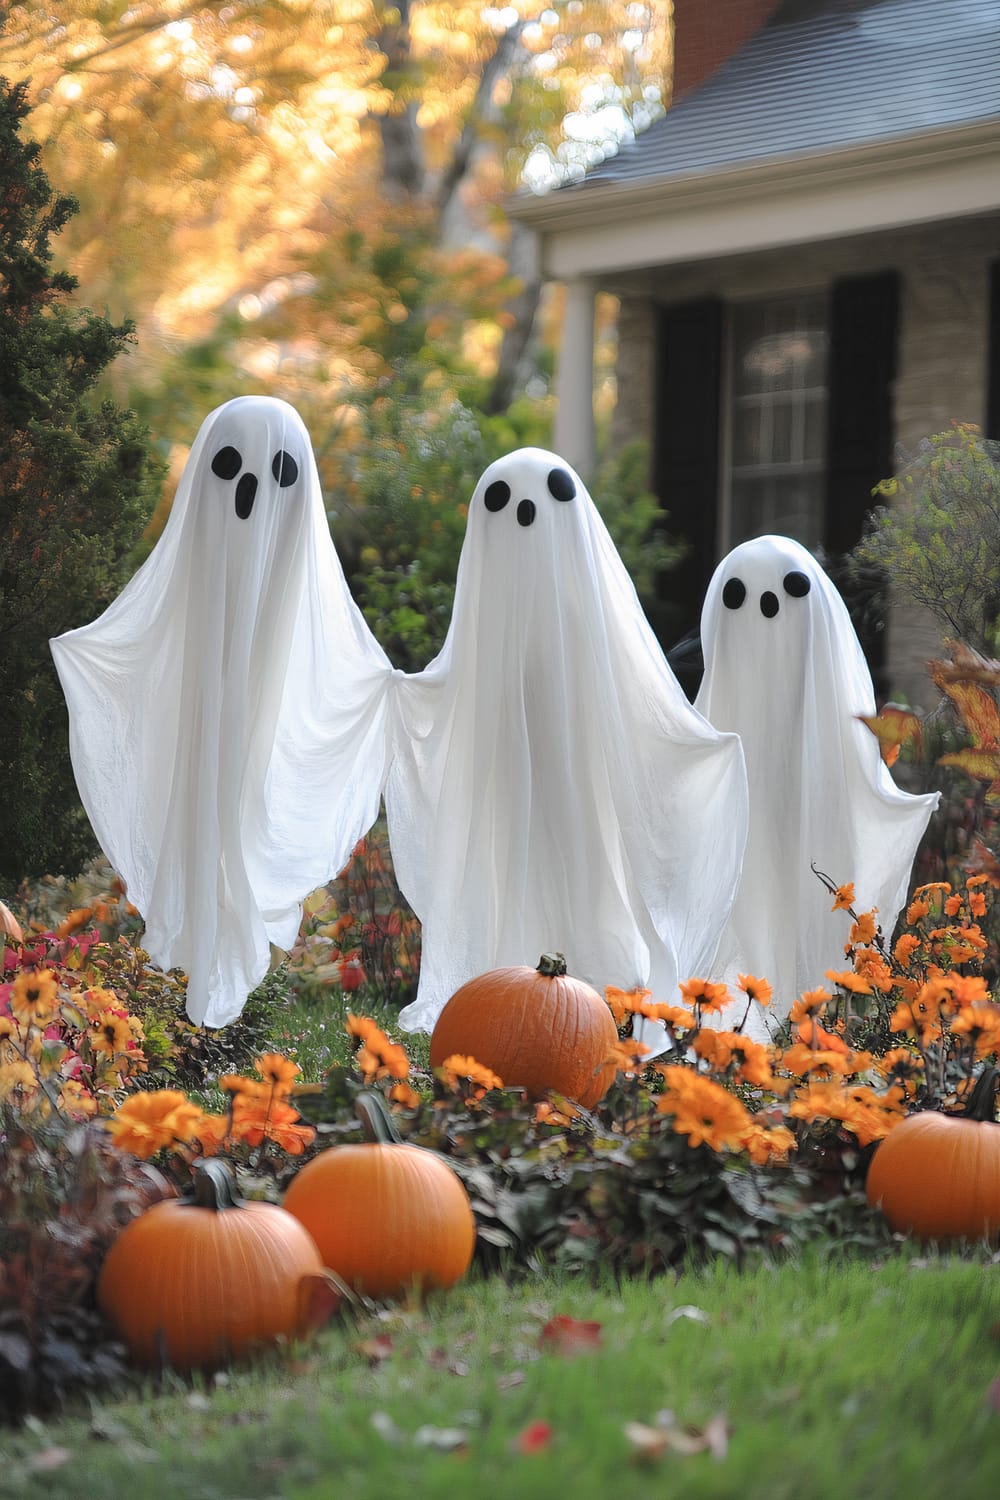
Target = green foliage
(75,487)
(939,540)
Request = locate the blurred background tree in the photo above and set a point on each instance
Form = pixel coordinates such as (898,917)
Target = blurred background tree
(76,486)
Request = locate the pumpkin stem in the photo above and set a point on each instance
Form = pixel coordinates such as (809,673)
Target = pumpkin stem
(370,1108)
(982,1101)
(552,965)
(214,1185)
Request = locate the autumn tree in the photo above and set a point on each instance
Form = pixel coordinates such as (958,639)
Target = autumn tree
(75,487)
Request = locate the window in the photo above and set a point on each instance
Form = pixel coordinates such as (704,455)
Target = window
(775,437)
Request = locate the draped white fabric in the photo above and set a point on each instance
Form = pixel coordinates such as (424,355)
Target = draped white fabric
(784,669)
(551,788)
(228,711)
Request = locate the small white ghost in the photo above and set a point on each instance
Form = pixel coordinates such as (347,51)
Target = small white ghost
(784,669)
(228,711)
(551,787)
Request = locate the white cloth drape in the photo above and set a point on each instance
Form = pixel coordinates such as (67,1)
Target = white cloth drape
(784,669)
(228,710)
(551,787)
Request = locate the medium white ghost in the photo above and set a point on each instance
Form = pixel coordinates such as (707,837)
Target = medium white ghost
(551,787)
(228,711)
(784,669)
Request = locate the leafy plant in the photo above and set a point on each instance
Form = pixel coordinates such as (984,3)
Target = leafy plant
(939,540)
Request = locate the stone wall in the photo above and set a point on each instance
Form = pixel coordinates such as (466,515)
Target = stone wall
(942,368)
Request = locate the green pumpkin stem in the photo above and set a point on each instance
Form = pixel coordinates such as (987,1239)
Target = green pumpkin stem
(552,965)
(982,1101)
(380,1127)
(214,1185)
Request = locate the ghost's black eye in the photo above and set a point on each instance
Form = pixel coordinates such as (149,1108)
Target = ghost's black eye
(769,605)
(246,494)
(796,584)
(561,484)
(284,468)
(227,463)
(497,495)
(525,512)
(734,593)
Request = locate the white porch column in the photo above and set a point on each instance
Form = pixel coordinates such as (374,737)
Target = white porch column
(573,428)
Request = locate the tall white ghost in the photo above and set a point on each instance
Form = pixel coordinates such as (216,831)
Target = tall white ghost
(551,787)
(228,710)
(784,669)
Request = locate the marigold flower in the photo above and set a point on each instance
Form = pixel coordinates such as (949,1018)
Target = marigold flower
(865,928)
(279,1122)
(627,1056)
(404,1095)
(812,1034)
(677,1017)
(843,898)
(953,906)
(764,1145)
(703,993)
(932,885)
(846,979)
(76,1101)
(916,911)
(905,948)
(278,1071)
(754,1063)
(34,996)
(147,1122)
(977,904)
(361,1027)
(809,1003)
(706,1113)
(248,1088)
(714,1047)
(624,1002)
(975,880)
(803,1061)
(754,988)
(95,1002)
(457,1068)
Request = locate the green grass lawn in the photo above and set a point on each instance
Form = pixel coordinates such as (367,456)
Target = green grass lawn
(823,1380)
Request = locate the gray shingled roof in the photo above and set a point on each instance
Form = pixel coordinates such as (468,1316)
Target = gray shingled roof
(825,75)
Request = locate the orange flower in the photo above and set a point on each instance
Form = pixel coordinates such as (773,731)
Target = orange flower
(361,1027)
(94,1002)
(624,1002)
(703,993)
(932,885)
(809,1003)
(457,1068)
(812,1034)
(147,1122)
(975,880)
(76,1101)
(803,1061)
(915,911)
(677,1017)
(764,1145)
(714,1047)
(754,1063)
(17,1078)
(706,1113)
(404,1095)
(871,966)
(977,904)
(279,1122)
(953,906)
(905,948)
(280,1072)
(756,989)
(846,979)
(627,1056)
(843,898)
(865,928)
(34,996)
(111,1033)
(253,1089)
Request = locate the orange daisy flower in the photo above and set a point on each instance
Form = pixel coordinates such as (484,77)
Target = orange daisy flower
(703,993)
(34,997)
(756,989)
(843,898)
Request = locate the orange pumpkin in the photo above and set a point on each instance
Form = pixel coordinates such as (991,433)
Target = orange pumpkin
(195,1283)
(938,1175)
(537,1028)
(386,1216)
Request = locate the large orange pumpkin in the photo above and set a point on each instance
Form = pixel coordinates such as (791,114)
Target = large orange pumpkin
(938,1175)
(537,1028)
(388,1217)
(195,1283)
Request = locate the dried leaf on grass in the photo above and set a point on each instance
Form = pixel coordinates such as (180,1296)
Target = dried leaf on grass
(650,1442)
(570,1336)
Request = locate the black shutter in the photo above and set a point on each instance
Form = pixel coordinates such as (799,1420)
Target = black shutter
(864,319)
(686,455)
(992,423)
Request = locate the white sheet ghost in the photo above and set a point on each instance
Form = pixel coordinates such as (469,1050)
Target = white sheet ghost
(551,787)
(785,670)
(228,710)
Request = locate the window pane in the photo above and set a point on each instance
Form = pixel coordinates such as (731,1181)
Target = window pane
(746,435)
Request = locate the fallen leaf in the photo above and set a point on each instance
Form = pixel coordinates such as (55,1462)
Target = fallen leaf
(386,1427)
(647,1443)
(535,1438)
(570,1336)
(894,727)
(198,1402)
(717,1436)
(511,1381)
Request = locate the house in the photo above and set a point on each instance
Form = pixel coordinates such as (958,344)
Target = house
(806,254)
